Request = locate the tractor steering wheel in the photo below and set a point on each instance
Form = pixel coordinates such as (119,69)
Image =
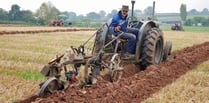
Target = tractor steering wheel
(133,24)
(132,21)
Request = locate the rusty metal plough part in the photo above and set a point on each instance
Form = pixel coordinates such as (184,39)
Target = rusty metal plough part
(75,58)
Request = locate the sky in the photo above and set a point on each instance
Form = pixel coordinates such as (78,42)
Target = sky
(86,6)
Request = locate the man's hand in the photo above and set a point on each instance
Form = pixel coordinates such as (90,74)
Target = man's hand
(117,28)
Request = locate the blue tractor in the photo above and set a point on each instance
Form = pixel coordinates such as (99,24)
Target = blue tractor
(107,53)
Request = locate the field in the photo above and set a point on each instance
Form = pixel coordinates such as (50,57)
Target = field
(22,57)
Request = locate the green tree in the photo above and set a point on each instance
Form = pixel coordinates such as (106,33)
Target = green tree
(183,12)
(193,12)
(81,17)
(72,16)
(189,22)
(27,16)
(102,14)
(205,11)
(15,13)
(93,15)
(47,12)
(3,14)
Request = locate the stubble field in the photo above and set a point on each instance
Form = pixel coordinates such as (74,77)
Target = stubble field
(22,57)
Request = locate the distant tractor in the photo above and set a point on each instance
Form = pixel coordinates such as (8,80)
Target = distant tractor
(70,23)
(177,27)
(56,23)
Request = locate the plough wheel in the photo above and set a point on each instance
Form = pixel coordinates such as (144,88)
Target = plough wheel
(49,86)
(114,69)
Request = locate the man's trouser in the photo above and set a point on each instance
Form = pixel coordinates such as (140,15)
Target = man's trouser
(131,35)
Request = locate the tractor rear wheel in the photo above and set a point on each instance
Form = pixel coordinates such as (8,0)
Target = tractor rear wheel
(152,48)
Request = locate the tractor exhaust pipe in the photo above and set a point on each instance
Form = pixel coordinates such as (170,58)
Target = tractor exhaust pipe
(153,10)
(132,10)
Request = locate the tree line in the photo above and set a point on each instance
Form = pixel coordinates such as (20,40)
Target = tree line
(47,12)
(196,20)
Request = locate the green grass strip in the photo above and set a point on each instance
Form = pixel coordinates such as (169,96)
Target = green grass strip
(187,28)
(26,75)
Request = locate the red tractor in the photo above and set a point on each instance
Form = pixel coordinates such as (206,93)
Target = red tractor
(56,23)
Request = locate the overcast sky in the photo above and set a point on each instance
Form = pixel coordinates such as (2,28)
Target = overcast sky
(86,6)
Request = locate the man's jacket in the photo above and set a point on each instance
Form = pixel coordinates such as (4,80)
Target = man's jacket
(117,20)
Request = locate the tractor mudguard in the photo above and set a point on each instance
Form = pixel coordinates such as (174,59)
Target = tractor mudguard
(102,37)
(142,31)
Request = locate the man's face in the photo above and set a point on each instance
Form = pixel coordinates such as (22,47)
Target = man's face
(124,13)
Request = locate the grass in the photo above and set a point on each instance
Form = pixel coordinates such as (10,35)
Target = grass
(182,39)
(187,28)
(26,75)
(22,57)
(13,88)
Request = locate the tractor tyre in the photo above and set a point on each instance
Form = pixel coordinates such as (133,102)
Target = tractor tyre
(167,51)
(152,48)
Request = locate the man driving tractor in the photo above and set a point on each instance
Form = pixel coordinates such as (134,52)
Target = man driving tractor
(120,23)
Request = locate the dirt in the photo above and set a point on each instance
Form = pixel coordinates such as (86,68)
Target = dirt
(43,31)
(136,85)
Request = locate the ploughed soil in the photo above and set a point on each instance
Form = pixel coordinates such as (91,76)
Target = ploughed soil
(136,85)
(43,31)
